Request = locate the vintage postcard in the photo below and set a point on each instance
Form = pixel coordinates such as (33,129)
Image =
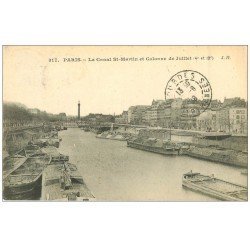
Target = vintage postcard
(125,123)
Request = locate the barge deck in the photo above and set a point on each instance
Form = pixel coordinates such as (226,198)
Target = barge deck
(168,150)
(62,182)
(214,187)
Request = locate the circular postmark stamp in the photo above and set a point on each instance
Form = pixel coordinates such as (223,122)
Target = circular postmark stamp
(193,88)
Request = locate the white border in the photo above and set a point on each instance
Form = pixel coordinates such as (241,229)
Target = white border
(139,225)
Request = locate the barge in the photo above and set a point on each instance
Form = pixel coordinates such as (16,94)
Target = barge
(214,187)
(51,141)
(228,157)
(55,156)
(62,182)
(24,183)
(155,146)
(117,137)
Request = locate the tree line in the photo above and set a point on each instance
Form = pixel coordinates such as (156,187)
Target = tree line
(15,113)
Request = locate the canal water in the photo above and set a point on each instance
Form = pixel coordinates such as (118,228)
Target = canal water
(114,172)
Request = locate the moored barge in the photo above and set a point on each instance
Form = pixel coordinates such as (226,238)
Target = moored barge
(224,156)
(24,183)
(55,156)
(214,187)
(155,146)
(63,182)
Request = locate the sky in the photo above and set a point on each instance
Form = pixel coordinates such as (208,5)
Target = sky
(32,77)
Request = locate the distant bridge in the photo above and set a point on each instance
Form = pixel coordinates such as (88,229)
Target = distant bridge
(70,124)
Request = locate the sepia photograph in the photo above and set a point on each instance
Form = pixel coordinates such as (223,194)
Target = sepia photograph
(125,123)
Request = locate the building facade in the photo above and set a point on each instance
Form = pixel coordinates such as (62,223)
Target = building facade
(162,113)
(123,118)
(136,114)
(232,120)
(238,120)
(230,116)
(206,121)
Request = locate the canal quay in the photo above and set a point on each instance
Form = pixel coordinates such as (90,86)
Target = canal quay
(115,172)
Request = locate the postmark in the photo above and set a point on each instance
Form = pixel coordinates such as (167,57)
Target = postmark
(193,88)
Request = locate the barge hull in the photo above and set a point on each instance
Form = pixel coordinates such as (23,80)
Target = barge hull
(214,187)
(210,193)
(152,149)
(210,158)
(30,191)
